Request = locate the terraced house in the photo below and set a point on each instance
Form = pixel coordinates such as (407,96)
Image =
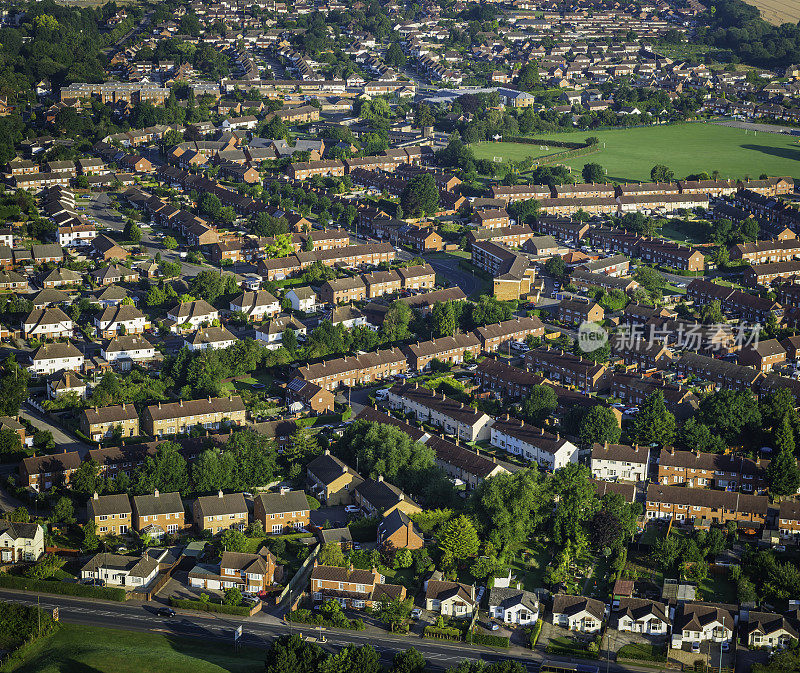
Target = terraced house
(354,370)
(177,418)
(550,451)
(100,423)
(705,506)
(280,511)
(517,329)
(449,349)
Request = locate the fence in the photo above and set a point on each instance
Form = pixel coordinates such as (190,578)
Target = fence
(298,581)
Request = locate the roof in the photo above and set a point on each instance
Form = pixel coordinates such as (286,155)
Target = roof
(442,404)
(184,408)
(132,565)
(17,530)
(620,452)
(158,503)
(573,605)
(222,503)
(351,575)
(696,616)
(381,494)
(508,597)
(108,504)
(327,468)
(191,309)
(640,608)
(113,414)
(278,503)
(394,521)
(443,590)
(704,497)
(56,351)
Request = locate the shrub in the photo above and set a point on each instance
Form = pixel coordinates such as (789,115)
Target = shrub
(534,633)
(205,606)
(61,588)
(302,616)
(442,632)
(487,639)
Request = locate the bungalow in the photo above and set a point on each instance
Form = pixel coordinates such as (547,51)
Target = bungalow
(513,606)
(639,615)
(119,570)
(451,599)
(578,613)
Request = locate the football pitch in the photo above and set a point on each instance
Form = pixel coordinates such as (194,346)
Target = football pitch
(629,154)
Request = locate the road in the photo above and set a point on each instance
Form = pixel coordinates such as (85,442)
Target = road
(65,441)
(449,269)
(262,629)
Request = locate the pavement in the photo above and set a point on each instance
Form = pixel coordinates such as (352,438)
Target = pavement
(261,629)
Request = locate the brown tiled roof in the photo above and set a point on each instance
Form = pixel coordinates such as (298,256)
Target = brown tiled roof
(228,503)
(706,497)
(211,405)
(163,503)
(113,414)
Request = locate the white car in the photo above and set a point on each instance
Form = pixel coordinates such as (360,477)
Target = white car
(352,509)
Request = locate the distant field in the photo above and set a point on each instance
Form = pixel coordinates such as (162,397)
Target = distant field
(629,154)
(778,11)
(75,649)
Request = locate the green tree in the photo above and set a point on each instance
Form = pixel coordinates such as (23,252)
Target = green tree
(711,313)
(483,567)
(86,480)
(458,538)
(661,173)
(395,56)
(783,436)
(420,196)
(577,503)
(330,554)
(166,471)
(782,474)
(528,77)
(63,511)
(409,661)
(539,404)
(13,386)
(396,613)
(233,540)
(599,425)
(653,423)
(233,596)
(132,232)
(170,243)
(90,541)
(555,267)
(730,413)
(593,172)
(10,442)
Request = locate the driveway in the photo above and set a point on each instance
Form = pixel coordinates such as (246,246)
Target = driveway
(335,516)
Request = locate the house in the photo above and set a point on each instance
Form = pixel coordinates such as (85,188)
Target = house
(20,542)
(451,599)
(100,423)
(620,461)
(352,587)
(64,383)
(397,531)
(377,495)
(303,299)
(575,312)
(256,305)
(158,514)
(354,370)
(190,315)
(41,473)
(789,519)
(50,323)
(55,357)
(578,613)
(343,290)
(550,451)
(272,333)
(464,464)
(113,274)
(701,622)
(493,336)
(112,514)
(121,319)
(209,338)
(453,417)
(640,615)
(278,512)
(119,570)
(330,480)
(347,316)
(449,349)
(768,629)
(764,355)
(122,351)
(171,418)
(250,573)
(309,396)
(217,513)
(513,606)
(703,506)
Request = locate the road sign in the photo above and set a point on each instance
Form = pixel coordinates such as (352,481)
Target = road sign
(237,633)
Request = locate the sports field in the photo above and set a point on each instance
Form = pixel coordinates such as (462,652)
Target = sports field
(629,154)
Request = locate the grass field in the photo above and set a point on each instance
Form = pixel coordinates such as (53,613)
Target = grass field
(778,11)
(78,649)
(629,154)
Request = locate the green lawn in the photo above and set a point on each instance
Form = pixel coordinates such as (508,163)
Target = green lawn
(531,571)
(629,154)
(718,589)
(79,649)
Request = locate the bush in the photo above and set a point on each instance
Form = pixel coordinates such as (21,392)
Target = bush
(534,633)
(442,633)
(487,639)
(205,606)
(302,616)
(61,588)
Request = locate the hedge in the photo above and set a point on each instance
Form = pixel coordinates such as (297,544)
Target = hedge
(579,652)
(62,588)
(487,639)
(202,606)
(535,632)
(443,633)
(303,616)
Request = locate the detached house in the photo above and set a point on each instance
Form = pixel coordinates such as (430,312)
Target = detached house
(452,599)
(768,629)
(49,323)
(513,606)
(377,495)
(578,613)
(352,587)
(20,542)
(247,572)
(191,314)
(640,615)
(701,622)
(330,480)
(397,531)
(56,357)
(121,570)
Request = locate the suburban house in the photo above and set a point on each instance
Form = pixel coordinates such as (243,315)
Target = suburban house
(640,615)
(20,542)
(768,629)
(119,570)
(397,531)
(41,473)
(100,423)
(158,514)
(701,622)
(250,573)
(122,351)
(451,599)
(352,587)
(256,305)
(578,613)
(171,418)
(121,319)
(377,495)
(550,451)
(303,299)
(50,323)
(280,511)
(190,315)
(217,513)
(330,480)
(513,606)
(620,461)
(309,396)
(112,514)
(56,357)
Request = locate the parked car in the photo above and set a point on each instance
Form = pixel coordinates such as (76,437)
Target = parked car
(495,627)
(416,613)
(165,612)
(695,647)
(94,582)
(725,646)
(352,509)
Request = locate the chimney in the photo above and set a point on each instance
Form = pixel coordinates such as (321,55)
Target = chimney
(327,452)
(219,495)
(159,405)
(605,445)
(156,494)
(95,496)
(380,478)
(181,403)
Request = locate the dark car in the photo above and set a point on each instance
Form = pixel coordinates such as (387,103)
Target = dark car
(165,612)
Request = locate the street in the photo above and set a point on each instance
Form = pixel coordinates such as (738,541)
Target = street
(261,629)
(449,269)
(64,440)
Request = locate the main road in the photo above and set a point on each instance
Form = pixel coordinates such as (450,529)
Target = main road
(262,629)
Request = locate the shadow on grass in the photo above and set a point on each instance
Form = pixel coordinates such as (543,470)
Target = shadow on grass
(783,152)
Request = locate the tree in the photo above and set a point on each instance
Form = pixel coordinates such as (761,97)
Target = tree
(409,661)
(577,502)
(330,554)
(291,654)
(396,321)
(556,267)
(90,541)
(9,441)
(233,596)
(395,56)
(539,404)
(711,313)
(396,613)
(233,540)
(650,279)
(483,567)
(458,538)
(528,77)
(730,413)
(214,470)
(783,475)
(86,480)
(783,436)
(661,173)
(13,386)
(653,423)
(166,471)
(420,196)
(593,172)
(63,511)
(132,232)
(599,425)
(604,531)
(170,243)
